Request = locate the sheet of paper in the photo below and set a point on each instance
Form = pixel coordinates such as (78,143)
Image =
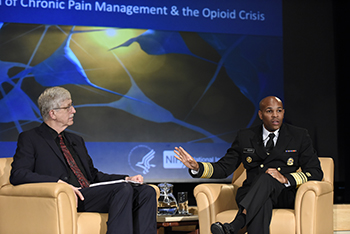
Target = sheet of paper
(114,182)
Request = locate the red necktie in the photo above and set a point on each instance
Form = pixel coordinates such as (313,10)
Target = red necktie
(72,164)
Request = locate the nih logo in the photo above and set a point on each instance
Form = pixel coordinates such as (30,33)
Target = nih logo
(170,162)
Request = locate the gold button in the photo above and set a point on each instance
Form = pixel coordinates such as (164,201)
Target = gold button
(279,169)
(249,159)
(262,165)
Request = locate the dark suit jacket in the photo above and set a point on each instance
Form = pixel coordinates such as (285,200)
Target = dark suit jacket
(39,159)
(293,150)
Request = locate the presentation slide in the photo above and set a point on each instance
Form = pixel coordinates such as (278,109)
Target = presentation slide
(144,76)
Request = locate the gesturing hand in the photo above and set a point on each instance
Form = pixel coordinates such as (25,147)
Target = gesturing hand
(186,158)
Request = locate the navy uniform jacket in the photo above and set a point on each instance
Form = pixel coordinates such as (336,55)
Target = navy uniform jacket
(39,159)
(292,151)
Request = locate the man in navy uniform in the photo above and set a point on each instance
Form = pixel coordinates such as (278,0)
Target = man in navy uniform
(271,154)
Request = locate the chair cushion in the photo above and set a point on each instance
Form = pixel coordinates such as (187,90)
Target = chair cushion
(283,220)
(92,223)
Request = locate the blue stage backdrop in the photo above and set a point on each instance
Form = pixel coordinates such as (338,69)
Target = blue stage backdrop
(145,76)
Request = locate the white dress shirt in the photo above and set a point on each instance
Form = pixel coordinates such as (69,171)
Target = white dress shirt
(266,134)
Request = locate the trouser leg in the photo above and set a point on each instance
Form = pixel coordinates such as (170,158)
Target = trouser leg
(114,199)
(120,211)
(258,203)
(125,205)
(145,210)
(260,223)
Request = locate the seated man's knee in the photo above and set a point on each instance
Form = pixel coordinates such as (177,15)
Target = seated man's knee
(150,191)
(124,189)
(265,178)
(146,191)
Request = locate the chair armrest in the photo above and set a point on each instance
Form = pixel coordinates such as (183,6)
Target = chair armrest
(155,188)
(212,199)
(36,190)
(38,208)
(314,207)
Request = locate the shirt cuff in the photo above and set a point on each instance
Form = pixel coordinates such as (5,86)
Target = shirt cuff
(287,184)
(194,172)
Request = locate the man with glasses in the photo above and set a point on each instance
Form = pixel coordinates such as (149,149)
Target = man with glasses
(48,153)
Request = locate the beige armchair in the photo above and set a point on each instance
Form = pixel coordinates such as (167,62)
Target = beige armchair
(43,208)
(313,212)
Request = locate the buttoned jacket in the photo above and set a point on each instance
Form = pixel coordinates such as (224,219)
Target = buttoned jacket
(293,150)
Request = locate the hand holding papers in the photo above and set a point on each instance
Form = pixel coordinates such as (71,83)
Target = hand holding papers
(136,178)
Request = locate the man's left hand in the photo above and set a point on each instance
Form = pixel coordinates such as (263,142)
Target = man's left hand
(137,178)
(277,175)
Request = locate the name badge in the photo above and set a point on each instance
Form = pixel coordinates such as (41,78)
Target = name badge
(248,150)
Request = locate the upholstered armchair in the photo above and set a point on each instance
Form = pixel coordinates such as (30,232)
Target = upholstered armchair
(312,214)
(43,208)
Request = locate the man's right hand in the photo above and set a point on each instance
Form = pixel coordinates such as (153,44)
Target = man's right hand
(76,191)
(186,158)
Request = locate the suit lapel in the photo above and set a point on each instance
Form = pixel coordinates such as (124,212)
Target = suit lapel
(258,143)
(51,142)
(47,136)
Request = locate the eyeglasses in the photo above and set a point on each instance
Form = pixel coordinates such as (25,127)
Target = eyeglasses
(68,108)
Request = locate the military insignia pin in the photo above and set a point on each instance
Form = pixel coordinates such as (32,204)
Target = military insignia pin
(290,161)
(249,159)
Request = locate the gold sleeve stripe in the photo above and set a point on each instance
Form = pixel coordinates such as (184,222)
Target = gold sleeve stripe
(208,170)
(300,178)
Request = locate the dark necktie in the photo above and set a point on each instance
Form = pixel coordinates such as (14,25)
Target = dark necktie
(270,144)
(72,164)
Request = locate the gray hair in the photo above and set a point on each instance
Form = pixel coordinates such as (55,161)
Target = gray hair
(50,99)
